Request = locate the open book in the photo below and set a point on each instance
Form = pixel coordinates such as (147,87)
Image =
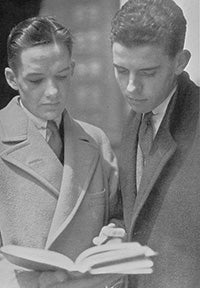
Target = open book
(119,258)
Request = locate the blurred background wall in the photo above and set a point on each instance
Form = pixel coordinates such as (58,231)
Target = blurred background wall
(95,96)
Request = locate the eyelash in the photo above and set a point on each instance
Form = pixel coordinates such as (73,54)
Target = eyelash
(142,73)
(62,77)
(122,71)
(35,81)
(148,73)
(40,80)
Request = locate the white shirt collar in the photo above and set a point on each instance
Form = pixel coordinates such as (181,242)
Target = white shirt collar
(163,106)
(39,122)
(159,111)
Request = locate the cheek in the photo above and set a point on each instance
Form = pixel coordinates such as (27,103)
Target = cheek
(30,95)
(155,85)
(122,82)
(64,92)
(118,78)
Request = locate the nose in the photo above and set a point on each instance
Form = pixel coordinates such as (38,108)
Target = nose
(131,87)
(51,89)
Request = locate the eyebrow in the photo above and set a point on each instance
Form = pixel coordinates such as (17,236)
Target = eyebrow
(151,68)
(64,69)
(38,74)
(146,69)
(117,66)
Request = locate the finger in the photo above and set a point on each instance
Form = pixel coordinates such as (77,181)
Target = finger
(114,232)
(118,233)
(99,240)
(105,228)
(112,225)
(102,235)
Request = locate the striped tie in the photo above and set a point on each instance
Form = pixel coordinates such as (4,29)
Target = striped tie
(55,141)
(146,135)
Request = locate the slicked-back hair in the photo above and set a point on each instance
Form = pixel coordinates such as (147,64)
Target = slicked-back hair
(150,22)
(36,31)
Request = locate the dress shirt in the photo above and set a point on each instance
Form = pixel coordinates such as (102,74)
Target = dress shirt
(159,112)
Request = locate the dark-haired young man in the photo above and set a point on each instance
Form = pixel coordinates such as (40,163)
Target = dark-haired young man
(58,175)
(160,150)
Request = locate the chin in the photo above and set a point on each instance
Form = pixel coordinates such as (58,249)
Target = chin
(136,109)
(49,116)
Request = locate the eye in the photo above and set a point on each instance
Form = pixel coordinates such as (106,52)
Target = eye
(62,77)
(122,70)
(148,73)
(35,81)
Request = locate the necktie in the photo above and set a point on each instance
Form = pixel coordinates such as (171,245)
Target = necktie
(146,135)
(55,141)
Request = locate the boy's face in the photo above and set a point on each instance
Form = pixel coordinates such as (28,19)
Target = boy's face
(43,79)
(146,75)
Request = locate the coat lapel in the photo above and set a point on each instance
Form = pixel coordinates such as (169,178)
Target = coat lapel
(26,149)
(165,149)
(127,160)
(81,158)
(162,150)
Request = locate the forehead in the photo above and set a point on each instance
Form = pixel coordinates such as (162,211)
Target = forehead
(43,57)
(146,55)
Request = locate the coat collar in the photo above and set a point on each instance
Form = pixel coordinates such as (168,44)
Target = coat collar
(14,122)
(25,148)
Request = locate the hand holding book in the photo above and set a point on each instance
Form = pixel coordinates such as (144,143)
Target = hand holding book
(110,234)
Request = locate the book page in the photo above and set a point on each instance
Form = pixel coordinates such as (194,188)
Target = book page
(122,269)
(37,259)
(109,258)
(114,254)
(106,247)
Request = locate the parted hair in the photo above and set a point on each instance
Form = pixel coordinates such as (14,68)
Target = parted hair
(36,31)
(154,22)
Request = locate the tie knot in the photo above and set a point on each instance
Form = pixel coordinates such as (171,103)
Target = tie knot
(147,118)
(52,126)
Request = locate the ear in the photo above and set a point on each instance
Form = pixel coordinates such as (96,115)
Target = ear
(11,78)
(72,66)
(182,59)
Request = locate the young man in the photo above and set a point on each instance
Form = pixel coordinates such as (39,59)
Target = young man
(57,188)
(160,150)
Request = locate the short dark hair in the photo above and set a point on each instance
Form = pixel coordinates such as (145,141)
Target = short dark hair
(156,22)
(36,31)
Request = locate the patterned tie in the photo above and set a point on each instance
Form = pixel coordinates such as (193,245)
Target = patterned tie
(146,135)
(55,141)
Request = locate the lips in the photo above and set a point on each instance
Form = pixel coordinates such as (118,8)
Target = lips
(52,104)
(136,100)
